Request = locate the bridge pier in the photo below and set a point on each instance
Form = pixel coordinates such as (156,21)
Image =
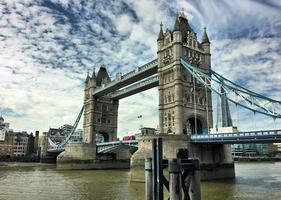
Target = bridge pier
(85,156)
(215,160)
(48,157)
(77,156)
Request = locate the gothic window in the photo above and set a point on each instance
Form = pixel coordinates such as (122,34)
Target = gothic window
(186,53)
(166,53)
(167,41)
(103,120)
(169,119)
(108,121)
(169,98)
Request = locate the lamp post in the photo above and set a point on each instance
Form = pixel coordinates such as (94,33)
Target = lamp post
(140,117)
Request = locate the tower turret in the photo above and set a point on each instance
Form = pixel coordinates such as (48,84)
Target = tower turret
(205,44)
(177,25)
(94,73)
(205,41)
(177,35)
(160,39)
(87,78)
(102,76)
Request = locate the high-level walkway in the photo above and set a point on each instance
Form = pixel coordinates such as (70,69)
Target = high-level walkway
(138,74)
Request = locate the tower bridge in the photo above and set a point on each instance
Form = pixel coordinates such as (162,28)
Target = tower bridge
(182,72)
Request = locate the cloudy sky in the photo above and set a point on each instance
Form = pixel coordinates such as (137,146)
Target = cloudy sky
(47,46)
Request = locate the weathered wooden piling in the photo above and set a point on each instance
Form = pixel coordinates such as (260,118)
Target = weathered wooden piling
(195,186)
(174,180)
(148,179)
(184,177)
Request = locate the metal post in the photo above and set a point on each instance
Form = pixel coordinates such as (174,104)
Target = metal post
(195,182)
(148,179)
(154,169)
(175,180)
(159,169)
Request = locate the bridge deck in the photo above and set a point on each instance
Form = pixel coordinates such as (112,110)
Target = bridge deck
(270,136)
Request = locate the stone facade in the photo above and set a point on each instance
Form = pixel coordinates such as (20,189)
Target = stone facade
(179,103)
(100,113)
(100,124)
(185,106)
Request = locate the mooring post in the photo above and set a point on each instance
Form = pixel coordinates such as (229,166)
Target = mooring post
(148,179)
(175,180)
(195,182)
(159,169)
(154,170)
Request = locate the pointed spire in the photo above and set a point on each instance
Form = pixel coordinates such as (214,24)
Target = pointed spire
(177,24)
(161,34)
(94,73)
(205,38)
(88,77)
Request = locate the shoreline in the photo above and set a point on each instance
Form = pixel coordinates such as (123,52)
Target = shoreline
(25,164)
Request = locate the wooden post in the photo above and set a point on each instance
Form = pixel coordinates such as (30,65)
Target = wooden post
(148,179)
(154,170)
(195,182)
(175,180)
(159,159)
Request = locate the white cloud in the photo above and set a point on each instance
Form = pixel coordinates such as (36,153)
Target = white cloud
(45,52)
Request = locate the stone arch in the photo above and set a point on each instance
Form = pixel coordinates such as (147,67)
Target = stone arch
(194,128)
(201,124)
(102,137)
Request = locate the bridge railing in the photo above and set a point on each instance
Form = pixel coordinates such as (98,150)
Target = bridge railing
(105,146)
(238,134)
(140,69)
(239,137)
(116,143)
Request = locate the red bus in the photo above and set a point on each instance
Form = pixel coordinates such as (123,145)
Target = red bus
(129,137)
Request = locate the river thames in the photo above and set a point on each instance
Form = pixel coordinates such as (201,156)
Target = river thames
(255,180)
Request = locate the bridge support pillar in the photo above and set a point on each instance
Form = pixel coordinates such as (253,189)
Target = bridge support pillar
(215,160)
(77,156)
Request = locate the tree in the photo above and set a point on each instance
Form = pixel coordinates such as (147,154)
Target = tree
(30,145)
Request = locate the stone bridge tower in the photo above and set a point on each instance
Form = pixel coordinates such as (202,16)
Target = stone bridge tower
(185,106)
(100,113)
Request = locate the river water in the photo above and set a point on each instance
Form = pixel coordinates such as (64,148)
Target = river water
(253,181)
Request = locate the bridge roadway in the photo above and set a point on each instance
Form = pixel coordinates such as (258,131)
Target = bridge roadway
(268,136)
(263,136)
(131,77)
